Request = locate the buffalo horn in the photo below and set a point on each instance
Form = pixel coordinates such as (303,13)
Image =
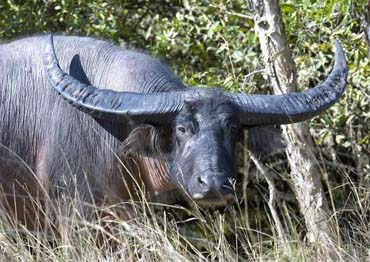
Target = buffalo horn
(256,110)
(159,108)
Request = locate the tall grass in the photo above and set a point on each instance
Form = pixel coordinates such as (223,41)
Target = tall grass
(159,232)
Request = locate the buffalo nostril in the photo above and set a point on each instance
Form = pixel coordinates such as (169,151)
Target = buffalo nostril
(212,186)
(202,181)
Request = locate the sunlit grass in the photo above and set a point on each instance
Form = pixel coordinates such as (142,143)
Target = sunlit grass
(174,233)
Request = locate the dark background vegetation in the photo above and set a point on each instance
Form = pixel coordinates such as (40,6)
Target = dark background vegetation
(213,43)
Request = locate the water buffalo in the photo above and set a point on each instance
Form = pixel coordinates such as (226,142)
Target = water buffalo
(120,119)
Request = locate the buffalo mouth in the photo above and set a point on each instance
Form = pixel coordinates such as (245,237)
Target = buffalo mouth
(214,201)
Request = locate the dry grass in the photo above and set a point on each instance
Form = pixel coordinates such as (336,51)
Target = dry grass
(174,233)
(246,231)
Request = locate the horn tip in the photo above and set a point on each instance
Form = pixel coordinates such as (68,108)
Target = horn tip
(340,58)
(337,43)
(339,52)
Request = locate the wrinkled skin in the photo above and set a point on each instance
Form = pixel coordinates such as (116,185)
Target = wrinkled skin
(203,160)
(201,153)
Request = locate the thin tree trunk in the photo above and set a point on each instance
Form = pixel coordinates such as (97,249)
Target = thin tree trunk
(305,173)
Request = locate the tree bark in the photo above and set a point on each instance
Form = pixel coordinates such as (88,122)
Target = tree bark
(305,173)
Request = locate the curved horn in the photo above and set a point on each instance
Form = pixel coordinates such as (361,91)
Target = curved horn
(159,108)
(294,107)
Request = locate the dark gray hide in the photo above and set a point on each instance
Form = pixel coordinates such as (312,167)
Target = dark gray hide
(64,147)
(150,120)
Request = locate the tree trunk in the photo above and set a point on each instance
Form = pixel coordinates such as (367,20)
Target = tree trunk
(305,173)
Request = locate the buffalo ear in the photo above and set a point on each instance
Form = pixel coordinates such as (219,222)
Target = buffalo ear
(149,141)
(265,140)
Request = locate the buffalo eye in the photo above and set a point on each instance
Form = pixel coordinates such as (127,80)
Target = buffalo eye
(185,130)
(181,129)
(233,129)
(230,126)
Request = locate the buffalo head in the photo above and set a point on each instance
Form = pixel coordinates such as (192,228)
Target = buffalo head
(203,124)
(202,157)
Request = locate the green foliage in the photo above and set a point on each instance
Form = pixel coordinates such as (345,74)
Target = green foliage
(312,27)
(213,43)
